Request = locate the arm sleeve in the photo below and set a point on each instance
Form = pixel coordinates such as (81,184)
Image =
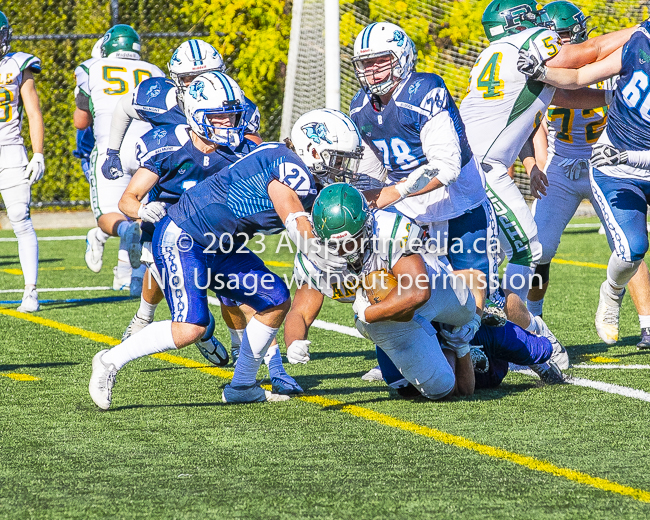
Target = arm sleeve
(371,166)
(122,116)
(441,145)
(82,101)
(639,159)
(528,150)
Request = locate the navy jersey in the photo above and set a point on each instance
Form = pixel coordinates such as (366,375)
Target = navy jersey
(155,102)
(628,118)
(393,133)
(236,202)
(168,152)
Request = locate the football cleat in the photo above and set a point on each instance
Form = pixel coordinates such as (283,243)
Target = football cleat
(479,360)
(373,374)
(121,283)
(644,344)
(607,316)
(136,325)
(560,356)
(250,394)
(131,240)
(214,351)
(284,384)
(493,314)
(102,381)
(548,372)
(234,352)
(30,301)
(94,251)
(135,286)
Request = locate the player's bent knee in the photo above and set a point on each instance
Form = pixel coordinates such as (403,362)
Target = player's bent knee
(187,333)
(17,213)
(438,386)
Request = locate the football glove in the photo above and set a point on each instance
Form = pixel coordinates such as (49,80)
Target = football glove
(360,305)
(606,155)
(530,64)
(112,167)
(416,181)
(35,169)
(298,351)
(152,212)
(459,337)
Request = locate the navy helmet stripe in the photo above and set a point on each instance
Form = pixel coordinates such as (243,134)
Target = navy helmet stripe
(230,95)
(196,52)
(365,40)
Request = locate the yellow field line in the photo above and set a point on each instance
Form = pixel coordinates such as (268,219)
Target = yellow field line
(580,264)
(20,377)
(273,263)
(380,418)
(19,272)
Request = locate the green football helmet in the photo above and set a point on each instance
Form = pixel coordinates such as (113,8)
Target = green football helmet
(570,22)
(123,41)
(505,17)
(341,217)
(5,35)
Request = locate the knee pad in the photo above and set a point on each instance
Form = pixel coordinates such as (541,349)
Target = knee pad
(438,386)
(638,246)
(23,227)
(17,213)
(619,271)
(543,271)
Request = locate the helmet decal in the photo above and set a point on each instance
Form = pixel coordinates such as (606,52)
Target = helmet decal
(175,58)
(513,14)
(316,132)
(196,90)
(399,37)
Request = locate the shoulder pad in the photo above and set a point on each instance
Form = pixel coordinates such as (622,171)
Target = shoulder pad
(26,61)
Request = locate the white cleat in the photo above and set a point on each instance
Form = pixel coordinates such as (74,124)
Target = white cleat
(136,325)
(30,301)
(607,316)
(94,251)
(560,356)
(250,394)
(549,373)
(121,283)
(102,381)
(132,242)
(373,374)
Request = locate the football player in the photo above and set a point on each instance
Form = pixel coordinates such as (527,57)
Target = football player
(619,181)
(400,324)
(564,150)
(175,158)
(159,101)
(101,83)
(17,174)
(409,119)
(503,107)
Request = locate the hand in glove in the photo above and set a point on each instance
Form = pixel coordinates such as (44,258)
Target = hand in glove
(35,169)
(112,167)
(360,305)
(530,64)
(152,212)
(298,352)
(606,155)
(416,181)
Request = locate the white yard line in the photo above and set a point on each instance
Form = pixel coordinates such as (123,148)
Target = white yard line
(45,239)
(622,367)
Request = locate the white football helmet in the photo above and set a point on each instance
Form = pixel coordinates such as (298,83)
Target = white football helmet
(378,40)
(97,49)
(192,58)
(215,93)
(329,144)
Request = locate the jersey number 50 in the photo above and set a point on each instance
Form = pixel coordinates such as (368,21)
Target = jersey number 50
(111,75)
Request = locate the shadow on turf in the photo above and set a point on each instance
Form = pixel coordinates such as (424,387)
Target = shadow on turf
(14,260)
(582,353)
(6,368)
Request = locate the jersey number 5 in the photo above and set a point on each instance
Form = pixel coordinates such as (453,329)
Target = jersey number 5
(121,86)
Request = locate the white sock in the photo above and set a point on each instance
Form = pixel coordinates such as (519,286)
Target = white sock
(27,250)
(146,310)
(257,339)
(101,236)
(535,308)
(644,321)
(532,326)
(620,272)
(155,338)
(236,337)
(270,353)
(517,279)
(123,264)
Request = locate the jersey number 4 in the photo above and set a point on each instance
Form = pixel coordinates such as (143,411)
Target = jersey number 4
(635,90)
(112,76)
(488,80)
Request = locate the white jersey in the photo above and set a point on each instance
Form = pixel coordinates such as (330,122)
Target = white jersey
(393,237)
(12,69)
(502,106)
(105,81)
